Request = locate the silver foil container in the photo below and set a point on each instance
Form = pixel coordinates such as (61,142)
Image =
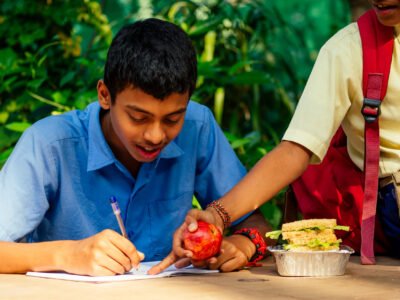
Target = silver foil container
(311,263)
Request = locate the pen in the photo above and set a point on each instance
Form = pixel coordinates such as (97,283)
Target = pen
(117,213)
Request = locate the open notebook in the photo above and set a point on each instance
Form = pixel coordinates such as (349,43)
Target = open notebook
(134,274)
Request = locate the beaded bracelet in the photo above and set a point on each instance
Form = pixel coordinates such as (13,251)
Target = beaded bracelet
(261,247)
(224,215)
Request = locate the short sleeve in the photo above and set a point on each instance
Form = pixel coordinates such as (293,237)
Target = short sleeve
(327,96)
(24,180)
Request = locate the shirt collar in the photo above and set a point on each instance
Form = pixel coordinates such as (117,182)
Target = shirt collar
(172,150)
(99,152)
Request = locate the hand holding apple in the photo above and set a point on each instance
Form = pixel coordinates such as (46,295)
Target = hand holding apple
(205,242)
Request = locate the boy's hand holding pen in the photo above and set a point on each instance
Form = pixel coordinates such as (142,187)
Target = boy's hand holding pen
(117,213)
(104,254)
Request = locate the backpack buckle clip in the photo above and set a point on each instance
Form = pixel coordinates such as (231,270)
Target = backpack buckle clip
(371,109)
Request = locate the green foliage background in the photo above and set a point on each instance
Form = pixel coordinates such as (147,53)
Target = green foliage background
(254,59)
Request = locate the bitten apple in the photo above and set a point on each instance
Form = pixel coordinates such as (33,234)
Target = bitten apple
(205,242)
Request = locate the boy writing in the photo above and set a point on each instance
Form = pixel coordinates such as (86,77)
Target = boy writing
(143,143)
(333,96)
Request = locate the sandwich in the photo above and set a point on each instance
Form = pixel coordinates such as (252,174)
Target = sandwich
(309,235)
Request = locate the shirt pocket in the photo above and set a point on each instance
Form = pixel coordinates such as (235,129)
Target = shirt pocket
(166,215)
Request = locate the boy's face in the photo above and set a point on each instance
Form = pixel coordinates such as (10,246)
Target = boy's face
(139,125)
(388,11)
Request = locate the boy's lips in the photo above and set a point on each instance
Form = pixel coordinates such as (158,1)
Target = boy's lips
(148,152)
(386,9)
(381,6)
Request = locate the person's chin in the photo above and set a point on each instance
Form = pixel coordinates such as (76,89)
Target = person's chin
(388,17)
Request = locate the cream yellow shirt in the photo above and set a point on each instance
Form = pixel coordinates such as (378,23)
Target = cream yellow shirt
(333,96)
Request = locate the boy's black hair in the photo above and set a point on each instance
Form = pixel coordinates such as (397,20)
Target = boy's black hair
(153,55)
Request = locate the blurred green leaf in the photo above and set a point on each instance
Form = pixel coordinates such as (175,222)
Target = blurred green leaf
(8,61)
(204,27)
(18,126)
(36,83)
(4,155)
(272,213)
(67,78)
(219,98)
(3,117)
(250,78)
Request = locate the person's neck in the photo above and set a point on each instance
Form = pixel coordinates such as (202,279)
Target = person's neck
(397,32)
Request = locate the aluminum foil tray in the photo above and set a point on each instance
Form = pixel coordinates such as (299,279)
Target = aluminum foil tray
(311,263)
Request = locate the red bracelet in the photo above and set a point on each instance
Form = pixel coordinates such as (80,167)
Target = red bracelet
(261,247)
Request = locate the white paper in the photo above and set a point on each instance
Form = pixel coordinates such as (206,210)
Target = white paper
(134,274)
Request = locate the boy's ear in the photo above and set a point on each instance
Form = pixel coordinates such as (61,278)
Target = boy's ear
(103,95)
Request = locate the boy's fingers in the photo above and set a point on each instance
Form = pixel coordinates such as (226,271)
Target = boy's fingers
(195,215)
(191,222)
(162,265)
(212,260)
(205,263)
(119,256)
(184,262)
(101,271)
(231,265)
(178,241)
(141,255)
(136,258)
(112,265)
(199,264)
(128,249)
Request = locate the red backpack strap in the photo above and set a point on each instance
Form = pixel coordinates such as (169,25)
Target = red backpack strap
(377,45)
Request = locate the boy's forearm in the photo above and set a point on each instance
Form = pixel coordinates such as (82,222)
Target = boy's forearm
(273,172)
(24,257)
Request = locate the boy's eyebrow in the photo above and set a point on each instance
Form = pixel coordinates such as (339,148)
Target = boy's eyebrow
(138,109)
(179,111)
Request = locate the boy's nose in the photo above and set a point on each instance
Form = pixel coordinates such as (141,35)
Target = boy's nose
(154,134)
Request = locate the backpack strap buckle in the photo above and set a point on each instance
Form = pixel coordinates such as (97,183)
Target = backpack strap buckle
(371,109)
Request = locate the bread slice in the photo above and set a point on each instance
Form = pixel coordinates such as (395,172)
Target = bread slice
(308,224)
(303,237)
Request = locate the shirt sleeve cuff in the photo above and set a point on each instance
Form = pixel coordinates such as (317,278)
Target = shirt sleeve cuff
(312,143)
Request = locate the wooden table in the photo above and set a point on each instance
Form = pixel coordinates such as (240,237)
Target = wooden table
(381,282)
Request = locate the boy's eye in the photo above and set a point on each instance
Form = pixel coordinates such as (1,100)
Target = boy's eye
(172,120)
(138,119)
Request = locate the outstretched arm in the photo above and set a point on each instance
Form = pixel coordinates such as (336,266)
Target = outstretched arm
(106,253)
(272,173)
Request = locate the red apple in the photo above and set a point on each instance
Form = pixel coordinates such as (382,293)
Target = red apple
(205,242)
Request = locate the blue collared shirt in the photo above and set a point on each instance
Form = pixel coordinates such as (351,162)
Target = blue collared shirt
(57,182)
